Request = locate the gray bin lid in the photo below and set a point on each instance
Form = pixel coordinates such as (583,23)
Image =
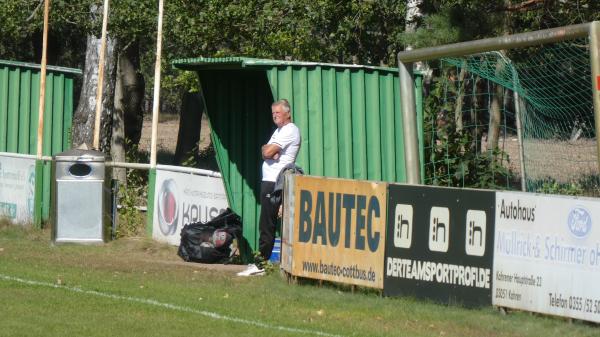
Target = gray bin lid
(81,155)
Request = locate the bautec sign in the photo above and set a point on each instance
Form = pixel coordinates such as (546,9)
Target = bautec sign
(340,232)
(182,198)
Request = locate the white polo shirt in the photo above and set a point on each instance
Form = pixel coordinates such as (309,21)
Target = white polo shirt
(288,138)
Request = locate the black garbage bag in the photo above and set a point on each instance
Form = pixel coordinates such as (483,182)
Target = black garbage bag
(210,242)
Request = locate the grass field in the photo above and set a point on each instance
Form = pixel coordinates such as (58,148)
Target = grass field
(136,287)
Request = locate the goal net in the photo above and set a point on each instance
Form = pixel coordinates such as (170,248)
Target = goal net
(511,119)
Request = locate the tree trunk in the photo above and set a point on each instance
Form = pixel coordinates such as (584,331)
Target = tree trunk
(117,147)
(413,13)
(495,110)
(134,86)
(188,137)
(84,117)
(128,113)
(476,105)
(460,96)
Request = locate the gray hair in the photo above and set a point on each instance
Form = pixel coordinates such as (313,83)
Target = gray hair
(283,103)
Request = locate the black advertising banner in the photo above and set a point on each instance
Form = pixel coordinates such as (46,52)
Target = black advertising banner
(440,244)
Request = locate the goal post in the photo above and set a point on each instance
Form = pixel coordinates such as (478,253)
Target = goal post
(540,94)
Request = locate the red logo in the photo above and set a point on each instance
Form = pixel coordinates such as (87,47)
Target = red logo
(168,209)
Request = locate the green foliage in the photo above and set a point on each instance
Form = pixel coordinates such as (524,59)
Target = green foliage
(271,268)
(590,185)
(436,30)
(587,185)
(132,196)
(318,30)
(453,155)
(551,186)
(131,219)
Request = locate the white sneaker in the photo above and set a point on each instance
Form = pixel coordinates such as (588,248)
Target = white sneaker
(252,270)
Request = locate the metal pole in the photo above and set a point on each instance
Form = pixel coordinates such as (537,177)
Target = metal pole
(520,137)
(42,101)
(156,101)
(409,117)
(518,121)
(100,77)
(496,43)
(594,37)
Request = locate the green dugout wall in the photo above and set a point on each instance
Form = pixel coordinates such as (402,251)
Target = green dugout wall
(349,117)
(19,104)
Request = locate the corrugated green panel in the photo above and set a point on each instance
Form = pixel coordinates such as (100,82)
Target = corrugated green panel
(349,117)
(239,128)
(388,146)
(374,135)
(19,96)
(35,104)
(24,112)
(19,102)
(251,104)
(359,129)
(4,74)
(315,119)
(353,128)
(46,191)
(36,67)
(399,138)
(330,125)
(299,102)
(48,113)
(221,139)
(235,141)
(58,117)
(239,63)
(69,108)
(344,117)
(12,122)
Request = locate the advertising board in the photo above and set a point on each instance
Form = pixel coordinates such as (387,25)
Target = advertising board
(547,254)
(339,230)
(17,189)
(183,198)
(440,244)
(287,223)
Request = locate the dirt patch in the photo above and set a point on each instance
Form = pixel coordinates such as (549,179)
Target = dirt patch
(167,131)
(564,161)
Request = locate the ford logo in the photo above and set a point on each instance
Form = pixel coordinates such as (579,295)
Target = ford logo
(579,222)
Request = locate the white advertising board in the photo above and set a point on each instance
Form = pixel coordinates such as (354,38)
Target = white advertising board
(547,254)
(183,198)
(17,189)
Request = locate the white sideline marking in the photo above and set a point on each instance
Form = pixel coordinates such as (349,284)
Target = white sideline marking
(209,314)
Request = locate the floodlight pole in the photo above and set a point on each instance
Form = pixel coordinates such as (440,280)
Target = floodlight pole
(595,66)
(96,141)
(156,101)
(40,129)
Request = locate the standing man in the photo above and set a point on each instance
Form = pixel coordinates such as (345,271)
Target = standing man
(280,151)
